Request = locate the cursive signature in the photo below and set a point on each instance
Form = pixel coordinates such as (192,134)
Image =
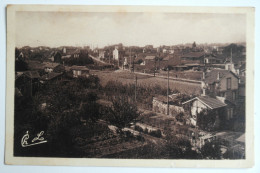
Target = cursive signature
(39,137)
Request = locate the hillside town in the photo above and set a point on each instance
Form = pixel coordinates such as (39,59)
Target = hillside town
(184,101)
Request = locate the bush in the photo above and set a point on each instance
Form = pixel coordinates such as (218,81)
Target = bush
(138,128)
(156,133)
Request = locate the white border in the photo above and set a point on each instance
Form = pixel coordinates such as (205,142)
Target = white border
(199,2)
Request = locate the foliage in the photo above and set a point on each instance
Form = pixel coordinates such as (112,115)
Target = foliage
(122,112)
(179,148)
(211,150)
(82,60)
(206,119)
(59,118)
(21,65)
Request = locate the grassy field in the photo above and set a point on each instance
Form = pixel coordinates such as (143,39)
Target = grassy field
(147,81)
(193,75)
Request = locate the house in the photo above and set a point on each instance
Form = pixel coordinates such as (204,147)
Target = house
(223,83)
(80,71)
(51,77)
(211,60)
(116,54)
(27,82)
(55,56)
(201,103)
(149,59)
(193,57)
(101,54)
(49,67)
(72,51)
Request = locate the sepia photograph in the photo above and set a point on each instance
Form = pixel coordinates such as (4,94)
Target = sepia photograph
(129,83)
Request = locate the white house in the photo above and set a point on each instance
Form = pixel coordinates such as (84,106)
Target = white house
(198,104)
(116,53)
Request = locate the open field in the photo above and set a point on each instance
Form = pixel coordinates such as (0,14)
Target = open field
(148,81)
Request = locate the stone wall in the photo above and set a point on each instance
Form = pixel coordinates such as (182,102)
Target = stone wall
(161,107)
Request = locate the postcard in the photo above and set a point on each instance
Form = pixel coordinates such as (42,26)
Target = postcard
(139,86)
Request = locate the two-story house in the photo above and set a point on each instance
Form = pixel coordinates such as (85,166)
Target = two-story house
(223,83)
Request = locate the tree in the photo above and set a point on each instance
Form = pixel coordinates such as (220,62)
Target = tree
(21,65)
(89,110)
(122,113)
(179,148)
(211,150)
(206,119)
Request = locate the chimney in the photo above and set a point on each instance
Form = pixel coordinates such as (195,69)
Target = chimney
(218,76)
(203,87)
(203,92)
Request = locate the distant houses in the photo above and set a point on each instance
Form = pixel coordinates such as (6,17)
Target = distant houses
(50,67)
(52,76)
(70,52)
(193,57)
(80,71)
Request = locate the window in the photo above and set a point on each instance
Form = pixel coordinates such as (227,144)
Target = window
(228,83)
(211,87)
(229,113)
(229,67)
(234,95)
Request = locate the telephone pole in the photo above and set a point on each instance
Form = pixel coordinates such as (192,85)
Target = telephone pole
(135,86)
(130,67)
(168,92)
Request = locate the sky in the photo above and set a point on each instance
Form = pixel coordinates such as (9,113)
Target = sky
(56,29)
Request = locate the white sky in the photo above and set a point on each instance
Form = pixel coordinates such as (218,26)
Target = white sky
(101,29)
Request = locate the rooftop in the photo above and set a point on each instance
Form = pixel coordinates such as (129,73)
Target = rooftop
(50,65)
(75,67)
(210,102)
(212,76)
(193,54)
(32,74)
(50,76)
(150,57)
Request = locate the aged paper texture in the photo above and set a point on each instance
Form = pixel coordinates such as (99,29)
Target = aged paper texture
(136,86)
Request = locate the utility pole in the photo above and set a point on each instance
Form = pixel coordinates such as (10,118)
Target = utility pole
(168,92)
(130,67)
(154,67)
(134,64)
(135,86)
(118,59)
(231,56)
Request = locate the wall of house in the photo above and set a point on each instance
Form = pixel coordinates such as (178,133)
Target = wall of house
(161,107)
(197,107)
(234,83)
(242,91)
(48,70)
(115,54)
